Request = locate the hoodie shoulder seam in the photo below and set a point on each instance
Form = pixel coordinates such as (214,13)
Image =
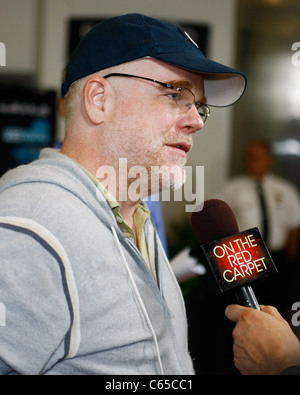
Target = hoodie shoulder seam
(45,238)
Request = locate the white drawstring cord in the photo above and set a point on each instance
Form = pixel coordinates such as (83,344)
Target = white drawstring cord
(139,299)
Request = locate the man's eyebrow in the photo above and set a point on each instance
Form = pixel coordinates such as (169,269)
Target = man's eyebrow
(180,84)
(186,84)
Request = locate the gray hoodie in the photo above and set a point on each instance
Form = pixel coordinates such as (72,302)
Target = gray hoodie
(76,294)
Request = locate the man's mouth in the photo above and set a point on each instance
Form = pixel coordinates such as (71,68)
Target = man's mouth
(183,146)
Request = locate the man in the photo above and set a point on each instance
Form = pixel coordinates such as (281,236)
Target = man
(85,283)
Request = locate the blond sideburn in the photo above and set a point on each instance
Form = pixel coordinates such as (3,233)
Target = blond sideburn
(73,99)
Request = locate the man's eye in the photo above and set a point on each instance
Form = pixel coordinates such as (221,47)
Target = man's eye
(174,96)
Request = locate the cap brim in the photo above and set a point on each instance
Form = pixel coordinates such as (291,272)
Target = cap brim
(223,85)
(222,90)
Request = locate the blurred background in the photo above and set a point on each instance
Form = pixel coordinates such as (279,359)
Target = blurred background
(259,37)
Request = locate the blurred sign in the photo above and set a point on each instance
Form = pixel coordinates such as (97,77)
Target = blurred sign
(27,124)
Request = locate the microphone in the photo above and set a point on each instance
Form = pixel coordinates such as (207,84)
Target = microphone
(235,258)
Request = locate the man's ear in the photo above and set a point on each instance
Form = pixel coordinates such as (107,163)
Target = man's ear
(94,98)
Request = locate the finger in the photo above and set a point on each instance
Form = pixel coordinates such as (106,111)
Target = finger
(234,312)
(272,311)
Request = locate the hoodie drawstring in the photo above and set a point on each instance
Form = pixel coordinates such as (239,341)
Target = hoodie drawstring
(139,299)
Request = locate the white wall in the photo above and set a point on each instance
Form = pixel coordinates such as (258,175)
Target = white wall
(18,31)
(35,34)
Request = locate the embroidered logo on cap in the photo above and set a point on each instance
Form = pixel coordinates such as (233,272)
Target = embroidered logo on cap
(189,37)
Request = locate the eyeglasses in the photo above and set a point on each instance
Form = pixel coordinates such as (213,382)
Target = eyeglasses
(184,98)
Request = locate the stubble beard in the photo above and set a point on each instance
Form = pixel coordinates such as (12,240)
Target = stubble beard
(161,174)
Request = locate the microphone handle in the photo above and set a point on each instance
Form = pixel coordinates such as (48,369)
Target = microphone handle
(246,297)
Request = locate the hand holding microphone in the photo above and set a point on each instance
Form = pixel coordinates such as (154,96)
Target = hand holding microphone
(263,341)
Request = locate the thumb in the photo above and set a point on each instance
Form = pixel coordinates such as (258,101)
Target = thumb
(234,312)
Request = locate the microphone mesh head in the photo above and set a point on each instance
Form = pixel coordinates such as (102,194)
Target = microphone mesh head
(215,221)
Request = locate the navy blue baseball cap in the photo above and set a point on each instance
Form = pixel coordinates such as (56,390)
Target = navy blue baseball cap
(134,36)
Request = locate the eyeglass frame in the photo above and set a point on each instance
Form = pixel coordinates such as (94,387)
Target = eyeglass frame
(198,105)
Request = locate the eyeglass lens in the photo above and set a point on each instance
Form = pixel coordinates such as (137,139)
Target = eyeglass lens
(185,101)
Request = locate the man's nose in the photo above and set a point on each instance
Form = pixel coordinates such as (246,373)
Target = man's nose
(191,121)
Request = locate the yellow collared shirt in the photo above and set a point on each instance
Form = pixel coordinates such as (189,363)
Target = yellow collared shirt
(141,214)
